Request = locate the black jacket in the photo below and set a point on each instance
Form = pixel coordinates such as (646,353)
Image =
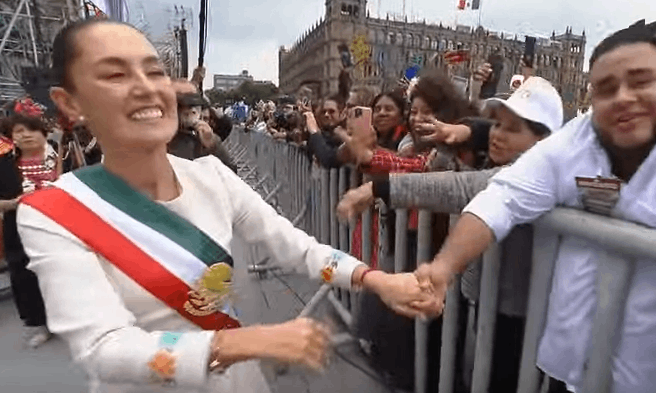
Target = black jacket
(186,144)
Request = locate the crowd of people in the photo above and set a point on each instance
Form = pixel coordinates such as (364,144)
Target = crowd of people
(500,163)
(467,157)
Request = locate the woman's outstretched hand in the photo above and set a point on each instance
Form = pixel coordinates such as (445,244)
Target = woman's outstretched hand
(301,341)
(355,202)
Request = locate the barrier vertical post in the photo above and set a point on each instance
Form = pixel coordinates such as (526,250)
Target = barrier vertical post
(334,200)
(325,206)
(385,263)
(353,300)
(614,274)
(344,229)
(450,334)
(401,241)
(487,319)
(424,240)
(545,246)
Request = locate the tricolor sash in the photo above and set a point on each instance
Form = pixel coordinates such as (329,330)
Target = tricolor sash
(163,252)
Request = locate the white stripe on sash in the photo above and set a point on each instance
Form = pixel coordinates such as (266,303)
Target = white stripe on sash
(169,254)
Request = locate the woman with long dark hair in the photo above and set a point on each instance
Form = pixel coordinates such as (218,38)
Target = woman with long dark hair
(134,255)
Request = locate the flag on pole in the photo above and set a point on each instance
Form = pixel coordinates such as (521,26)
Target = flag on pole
(462,4)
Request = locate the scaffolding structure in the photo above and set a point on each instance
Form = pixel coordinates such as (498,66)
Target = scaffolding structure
(27,29)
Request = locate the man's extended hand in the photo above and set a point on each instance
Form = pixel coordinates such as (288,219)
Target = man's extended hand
(434,278)
(402,293)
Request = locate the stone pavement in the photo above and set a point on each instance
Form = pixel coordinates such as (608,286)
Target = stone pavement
(48,369)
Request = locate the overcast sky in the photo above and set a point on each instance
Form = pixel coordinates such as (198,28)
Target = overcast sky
(246,34)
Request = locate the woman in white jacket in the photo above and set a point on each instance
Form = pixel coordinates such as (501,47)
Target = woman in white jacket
(133,256)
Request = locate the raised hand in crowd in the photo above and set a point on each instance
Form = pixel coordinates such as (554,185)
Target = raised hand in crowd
(361,143)
(183,86)
(206,134)
(342,134)
(483,73)
(198,76)
(435,132)
(355,201)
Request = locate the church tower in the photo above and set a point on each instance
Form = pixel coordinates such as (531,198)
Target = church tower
(351,9)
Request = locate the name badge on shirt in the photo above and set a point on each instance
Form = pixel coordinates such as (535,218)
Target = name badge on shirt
(599,195)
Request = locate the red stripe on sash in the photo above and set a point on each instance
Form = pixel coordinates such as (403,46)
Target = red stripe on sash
(122,253)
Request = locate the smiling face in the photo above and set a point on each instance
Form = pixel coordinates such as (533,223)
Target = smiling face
(387,115)
(121,89)
(623,95)
(510,136)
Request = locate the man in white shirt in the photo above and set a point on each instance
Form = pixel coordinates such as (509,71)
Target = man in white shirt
(615,143)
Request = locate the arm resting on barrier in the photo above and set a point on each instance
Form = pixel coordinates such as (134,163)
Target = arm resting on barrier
(444,192)
(518,194)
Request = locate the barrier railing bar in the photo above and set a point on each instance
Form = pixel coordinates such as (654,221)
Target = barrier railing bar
(487,317)
(341,311)
(424,240)
(273,193)
(300,216)
(314,302)
(610,233)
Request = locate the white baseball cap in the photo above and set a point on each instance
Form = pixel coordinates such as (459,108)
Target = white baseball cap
(535,100)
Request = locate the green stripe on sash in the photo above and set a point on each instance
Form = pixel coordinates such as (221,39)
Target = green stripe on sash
(122,196)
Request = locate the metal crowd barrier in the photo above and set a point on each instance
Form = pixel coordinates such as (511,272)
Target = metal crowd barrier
(308,196)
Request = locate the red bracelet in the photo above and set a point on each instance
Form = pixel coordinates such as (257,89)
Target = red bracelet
(369,270)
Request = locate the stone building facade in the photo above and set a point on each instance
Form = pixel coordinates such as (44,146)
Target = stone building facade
(385,48)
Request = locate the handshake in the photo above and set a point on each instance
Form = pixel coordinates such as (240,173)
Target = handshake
(420,294)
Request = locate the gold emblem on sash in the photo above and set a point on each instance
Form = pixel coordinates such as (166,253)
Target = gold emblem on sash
(211,292)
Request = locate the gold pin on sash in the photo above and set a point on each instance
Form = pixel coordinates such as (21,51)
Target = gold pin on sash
(211,292)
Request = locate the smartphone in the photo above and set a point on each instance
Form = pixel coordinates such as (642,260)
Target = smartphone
(359,120)
(529,50)
(489,88)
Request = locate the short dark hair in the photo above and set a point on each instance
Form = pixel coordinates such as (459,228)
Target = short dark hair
(64,48)
(395,96)
(30,122)
(638,32)
(337,99)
